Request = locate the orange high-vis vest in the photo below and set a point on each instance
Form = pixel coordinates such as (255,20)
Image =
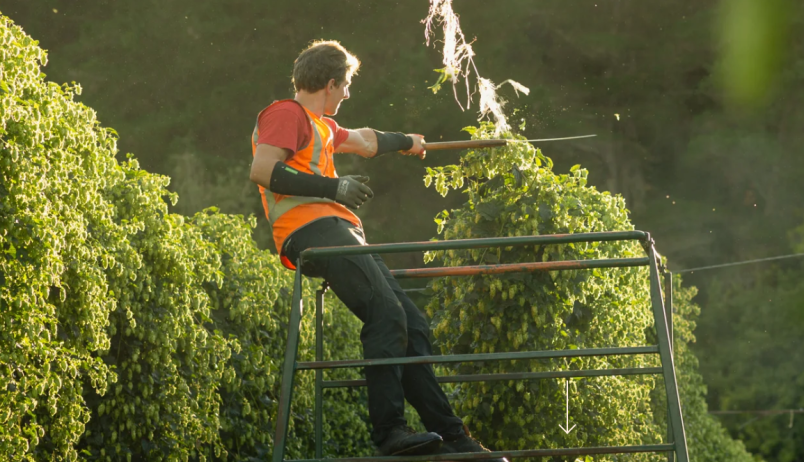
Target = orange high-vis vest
(289,213)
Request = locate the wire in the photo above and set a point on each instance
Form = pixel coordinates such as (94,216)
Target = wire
(746,262)
(761,414)
(761,411)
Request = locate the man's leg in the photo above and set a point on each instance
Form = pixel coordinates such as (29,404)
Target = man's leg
(358,282)
(362,287)
(418,380)
(420,385)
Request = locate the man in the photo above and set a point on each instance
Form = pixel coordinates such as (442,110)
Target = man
(308,205)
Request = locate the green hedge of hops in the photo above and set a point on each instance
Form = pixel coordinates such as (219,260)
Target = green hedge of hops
(129,333)
(512,191)
(46,210)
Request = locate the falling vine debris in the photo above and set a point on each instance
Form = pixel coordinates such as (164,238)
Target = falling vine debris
(459,63)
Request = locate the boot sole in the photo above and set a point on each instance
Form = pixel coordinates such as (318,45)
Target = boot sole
(428,447)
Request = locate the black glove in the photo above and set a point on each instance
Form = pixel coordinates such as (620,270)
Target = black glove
(352,191)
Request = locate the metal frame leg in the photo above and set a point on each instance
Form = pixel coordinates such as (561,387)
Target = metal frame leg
(668,304)
(288,369)
(666,355)
(319,373)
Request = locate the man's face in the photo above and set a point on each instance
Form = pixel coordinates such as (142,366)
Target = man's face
(335,94)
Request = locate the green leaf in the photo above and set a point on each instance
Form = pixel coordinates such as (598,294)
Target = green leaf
(441,79)
(489,210)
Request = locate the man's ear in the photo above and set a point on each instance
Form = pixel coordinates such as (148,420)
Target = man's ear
(331,85)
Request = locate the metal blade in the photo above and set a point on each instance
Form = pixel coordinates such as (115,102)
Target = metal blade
(554,139)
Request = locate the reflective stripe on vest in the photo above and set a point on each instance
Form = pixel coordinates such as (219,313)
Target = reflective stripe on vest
(317,148)
(277,210)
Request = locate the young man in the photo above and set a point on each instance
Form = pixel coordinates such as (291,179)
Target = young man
(308,205)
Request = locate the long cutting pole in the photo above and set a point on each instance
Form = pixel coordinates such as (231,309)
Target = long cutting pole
(469,144)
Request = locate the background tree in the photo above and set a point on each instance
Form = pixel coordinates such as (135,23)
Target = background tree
(754,340)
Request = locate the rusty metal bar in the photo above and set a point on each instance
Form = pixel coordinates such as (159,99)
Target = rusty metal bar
(439,359)
(549,239)
(518,267)
(514,376)
(508,454)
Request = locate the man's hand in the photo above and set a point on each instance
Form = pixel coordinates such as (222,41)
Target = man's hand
(418,146)
(352,191)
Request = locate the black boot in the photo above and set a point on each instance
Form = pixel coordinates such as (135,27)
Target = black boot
(465,443)
(403,440)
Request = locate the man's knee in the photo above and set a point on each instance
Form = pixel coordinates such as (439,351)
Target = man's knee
(419,342)
(416,319)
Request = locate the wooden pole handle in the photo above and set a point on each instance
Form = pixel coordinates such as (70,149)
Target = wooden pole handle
(464,144)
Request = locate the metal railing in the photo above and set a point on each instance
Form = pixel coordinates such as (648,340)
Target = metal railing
(676,445)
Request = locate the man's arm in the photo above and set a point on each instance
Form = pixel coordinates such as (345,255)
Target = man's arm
(269,170)
(265,159)
(364,142)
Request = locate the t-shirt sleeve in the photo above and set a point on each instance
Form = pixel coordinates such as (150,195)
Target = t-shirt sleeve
(339,134)
(284,126)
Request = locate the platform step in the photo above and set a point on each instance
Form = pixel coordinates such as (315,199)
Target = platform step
(514,376)
(439,359)
(508,454)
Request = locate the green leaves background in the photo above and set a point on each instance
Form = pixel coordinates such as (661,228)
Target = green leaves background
(129,332)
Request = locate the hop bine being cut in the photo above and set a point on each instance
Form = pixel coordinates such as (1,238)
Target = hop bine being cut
(459,63)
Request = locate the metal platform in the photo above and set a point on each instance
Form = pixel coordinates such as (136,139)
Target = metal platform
(677,443)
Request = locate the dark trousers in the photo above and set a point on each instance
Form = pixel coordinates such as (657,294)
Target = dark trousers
(392,327)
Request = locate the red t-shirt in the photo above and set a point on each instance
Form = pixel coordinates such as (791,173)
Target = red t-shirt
(285,125)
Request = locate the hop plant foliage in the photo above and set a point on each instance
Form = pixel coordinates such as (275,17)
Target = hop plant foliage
(512,191)
(126,332)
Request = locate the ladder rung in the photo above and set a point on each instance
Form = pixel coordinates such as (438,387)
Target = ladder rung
(508,454)
(514,376)
(440,359)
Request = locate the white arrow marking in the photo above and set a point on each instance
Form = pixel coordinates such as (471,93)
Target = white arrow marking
(566,391)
